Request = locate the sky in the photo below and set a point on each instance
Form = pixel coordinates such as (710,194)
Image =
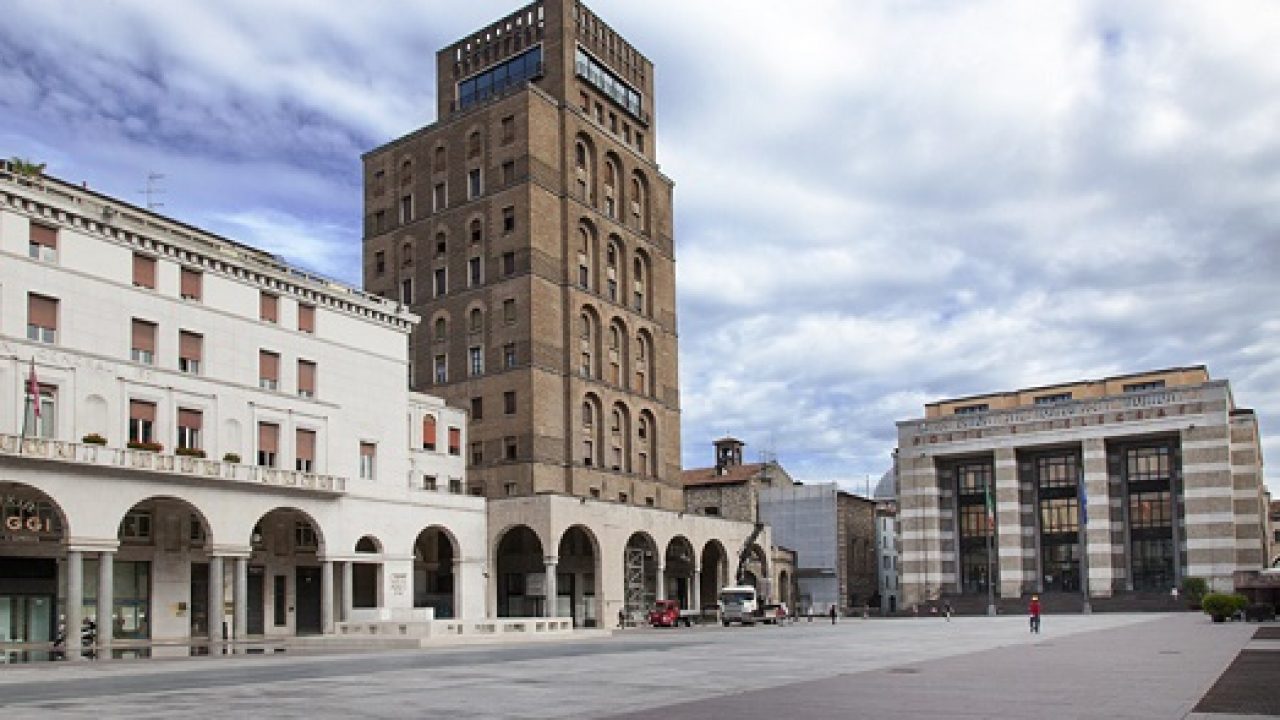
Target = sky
(878,203)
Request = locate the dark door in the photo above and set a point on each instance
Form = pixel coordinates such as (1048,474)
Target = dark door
(199,599)
(307,602)
(255,600)
(28,599)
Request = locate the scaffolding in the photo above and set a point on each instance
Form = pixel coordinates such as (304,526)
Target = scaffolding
(635,594)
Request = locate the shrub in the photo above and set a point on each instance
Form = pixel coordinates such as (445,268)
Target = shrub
(231,458)
(1220,606)
(1194,589)
(93,439)
(189,452)
(147,446)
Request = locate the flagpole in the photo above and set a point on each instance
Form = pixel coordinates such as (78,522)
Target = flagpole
(1085,607)
(991,529)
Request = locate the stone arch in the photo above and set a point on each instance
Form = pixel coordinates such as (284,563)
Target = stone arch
(618,347)
(368,544)
(611,182)
(288,542)
(647,444)
(615,265)
(578,557)
(645,366)
(640,202)
(641,298)
(619,459)
(714,565)
(589,342)
(519,565)
(584,168)
(161,536)
(33,532)
(680,563)
(592,421)
(435,580)
(640,560)
(587,249)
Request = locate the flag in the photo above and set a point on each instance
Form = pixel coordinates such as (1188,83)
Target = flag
(33,389)
(1084,505)
(991,508)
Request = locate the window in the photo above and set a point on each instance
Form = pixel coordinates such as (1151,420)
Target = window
(474,186)
(971,409)
(368,455)
(508,129)
(508,264)
(455,485)
(191,284)
(510,448)
(477,232)
(306,378)
(43,243)
(475,360)
(440,282)
(1053,399)
(623,497)
(268,370)
(306,318)
(509,488)
(477,408)
(1144,386)
(142,348)
(429,482)
(41,411)
(711,511)
(136,525)
(379,221)
(442,244)
(190,352)
(439,197)
(304,453)
(587,68)
(379,262)
(455,441)
(509,311)
(508,220)
(268,444)
(475,320)
(442,368)
(429,432)
(142,421)
(473,145)
(406,209)
(1058,471)
(406,255)
(190,424)
(441,330)
(508,172)
(304,536)
(509,402)
(509,356)
(42,318)
(588,453)
(441,158)
(500,78)
(477,453)
(473,272)
(144,271)
(269,307)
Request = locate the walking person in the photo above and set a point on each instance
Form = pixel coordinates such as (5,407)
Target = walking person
(833,613)
(946,610)
(1034,610)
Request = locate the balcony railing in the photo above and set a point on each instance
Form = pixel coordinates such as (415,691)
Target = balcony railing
(152,462)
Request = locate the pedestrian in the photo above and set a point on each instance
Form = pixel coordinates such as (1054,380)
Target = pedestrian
(833,613)
(946,610)
(1034,610)
(622,619)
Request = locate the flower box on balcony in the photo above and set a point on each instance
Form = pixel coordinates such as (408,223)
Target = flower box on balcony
(147,446)
(189,452)
(93,439)
(231,458)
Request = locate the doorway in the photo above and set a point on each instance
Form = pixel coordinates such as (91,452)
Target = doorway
(307,601)
(255,599)
(28,598)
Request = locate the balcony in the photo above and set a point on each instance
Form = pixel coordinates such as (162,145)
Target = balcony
(235,475)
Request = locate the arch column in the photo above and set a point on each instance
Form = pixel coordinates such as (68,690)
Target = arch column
(695,593)
(106,601)
(348,586)
(75,603)
(240,612)
(549,607)
(326,597)
(216,617)
(660,593)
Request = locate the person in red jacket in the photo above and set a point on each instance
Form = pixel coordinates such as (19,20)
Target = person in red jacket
(1034,609)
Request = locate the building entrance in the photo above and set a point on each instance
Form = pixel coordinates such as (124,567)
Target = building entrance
(255,600)
(308,601)
(28,592)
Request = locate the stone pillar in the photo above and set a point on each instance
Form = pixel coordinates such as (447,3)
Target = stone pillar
(1097,492)
(215,598)
(106,602)
(240,622)
(347,592)
(661,592)
(74,603)
(326,597)
(549,607)
(1008,524)
(695,593)
(920,509)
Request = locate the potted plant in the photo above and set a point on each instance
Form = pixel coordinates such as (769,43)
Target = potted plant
(1221,606)
(231,457)
(146,446)
(189,452)
(93,439)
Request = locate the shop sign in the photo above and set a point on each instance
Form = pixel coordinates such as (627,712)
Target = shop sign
(23,517)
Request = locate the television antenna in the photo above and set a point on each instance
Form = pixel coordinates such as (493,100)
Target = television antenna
(153,190)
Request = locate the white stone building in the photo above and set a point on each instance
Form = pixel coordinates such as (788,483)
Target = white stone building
(887,541)
(220,437)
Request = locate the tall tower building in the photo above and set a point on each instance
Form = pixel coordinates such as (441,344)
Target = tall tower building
(531,229)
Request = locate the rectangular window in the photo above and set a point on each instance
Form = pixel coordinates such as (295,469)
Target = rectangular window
(1143,386)
(379,221)
(477,453)
(136,526)
(439,197)
(280,600)
(307,318)
(142,348)
(509,311)
(508,129)
(43,243)
(510,448)
(474,186)
(508,220)
(1053,399)
(477,408)
(190,425)
(455,441)
(191,284)
(379,262)
(473,272)
(508,264)
(971,409)
(44,424)
(509,355)
(406,209)
(306,378)
(42,318)
(142,420)
(475,358)
(442,368)
(429,432)
(144,271)
(429,482)
(508,172)
(268,444)
(406,291)
(268,370)
(269,307)
(440,282)
(304,451)
(190,352)
(509,402)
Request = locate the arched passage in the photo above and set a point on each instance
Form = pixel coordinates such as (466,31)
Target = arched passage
(756,572)
(521,582)
(162,562)
(32,532)
(680,564)
(578,570)
(366,575)
(434,583)
(640,575)
(284,582)
(715,571)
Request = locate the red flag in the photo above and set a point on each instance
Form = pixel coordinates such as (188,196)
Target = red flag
(33,387)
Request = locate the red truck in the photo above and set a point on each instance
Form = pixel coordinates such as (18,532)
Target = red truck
(667,613)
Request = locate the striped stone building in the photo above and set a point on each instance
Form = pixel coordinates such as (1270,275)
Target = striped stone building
(1157,476)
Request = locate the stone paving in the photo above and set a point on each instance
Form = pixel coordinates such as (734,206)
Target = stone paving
(1122,666)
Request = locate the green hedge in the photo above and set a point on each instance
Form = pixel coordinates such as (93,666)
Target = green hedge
(1221,605)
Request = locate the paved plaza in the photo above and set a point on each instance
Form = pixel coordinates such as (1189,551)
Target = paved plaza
(1116,666)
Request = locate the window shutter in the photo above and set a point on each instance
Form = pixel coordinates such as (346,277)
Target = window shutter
(42,311)
(190,346)
(455,438)
(142,410)
(43,235)
(269,307)
(268,365)
(144,271)
(306,445)
(193,419)
(306,376)
(268,437)
(367,449)
(307,318)
(144,336)
(429,432)
(192,281)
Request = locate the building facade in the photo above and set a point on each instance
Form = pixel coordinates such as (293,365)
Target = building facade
(888,543)
(193,434)
(1113,487)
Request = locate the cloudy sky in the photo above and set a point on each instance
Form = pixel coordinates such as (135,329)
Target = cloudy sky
(878,203)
